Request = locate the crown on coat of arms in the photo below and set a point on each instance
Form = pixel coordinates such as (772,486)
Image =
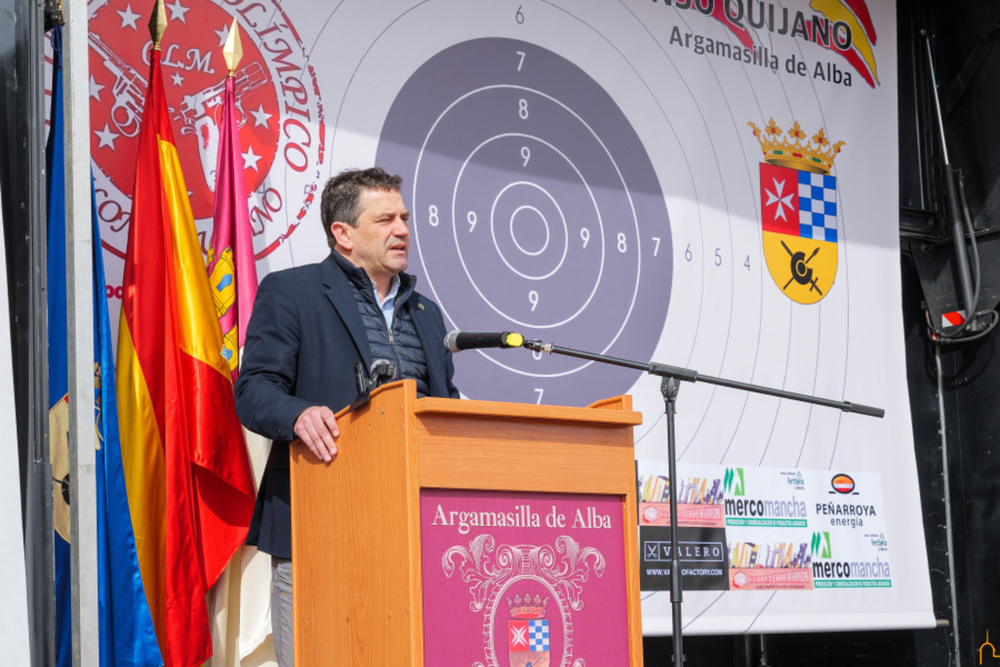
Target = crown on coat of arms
(796,152)
(527,607)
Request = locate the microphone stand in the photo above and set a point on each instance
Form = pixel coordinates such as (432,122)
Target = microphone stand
(671,377)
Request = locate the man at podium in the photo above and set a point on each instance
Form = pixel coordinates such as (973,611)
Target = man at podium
(310,326)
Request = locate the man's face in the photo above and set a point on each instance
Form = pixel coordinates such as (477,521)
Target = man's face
(381,241)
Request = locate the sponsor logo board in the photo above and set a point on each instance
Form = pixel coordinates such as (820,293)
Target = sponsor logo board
(783,529)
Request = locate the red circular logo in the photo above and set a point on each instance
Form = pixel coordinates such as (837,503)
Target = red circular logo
(650,514)
(842,484)
(278,109)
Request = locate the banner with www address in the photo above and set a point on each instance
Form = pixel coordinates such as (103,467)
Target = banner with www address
(744,529)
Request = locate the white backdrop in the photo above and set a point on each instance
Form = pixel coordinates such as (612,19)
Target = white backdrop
(584,173)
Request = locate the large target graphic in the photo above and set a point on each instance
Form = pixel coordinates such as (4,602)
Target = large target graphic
(534,208)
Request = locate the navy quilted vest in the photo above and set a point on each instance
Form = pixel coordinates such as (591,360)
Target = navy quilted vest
(401,344)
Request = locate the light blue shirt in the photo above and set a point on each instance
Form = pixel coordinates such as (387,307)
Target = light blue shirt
(388,305)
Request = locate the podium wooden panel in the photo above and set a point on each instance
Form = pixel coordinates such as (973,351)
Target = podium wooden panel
(356,520)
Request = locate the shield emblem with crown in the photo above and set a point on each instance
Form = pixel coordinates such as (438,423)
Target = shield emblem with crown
(799,211)
(528,631)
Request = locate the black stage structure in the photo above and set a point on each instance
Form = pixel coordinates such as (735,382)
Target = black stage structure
(964,574)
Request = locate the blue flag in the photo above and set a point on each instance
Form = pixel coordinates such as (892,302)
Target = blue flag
(126,625)
(58,364)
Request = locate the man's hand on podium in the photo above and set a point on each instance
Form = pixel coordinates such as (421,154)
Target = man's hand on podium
(318,427)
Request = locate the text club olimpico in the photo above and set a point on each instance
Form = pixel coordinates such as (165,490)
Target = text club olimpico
(291,155)
(282,48)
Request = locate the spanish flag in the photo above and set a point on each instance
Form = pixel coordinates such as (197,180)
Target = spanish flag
(189,484)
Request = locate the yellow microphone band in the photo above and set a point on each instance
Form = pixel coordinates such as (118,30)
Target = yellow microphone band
(515,340)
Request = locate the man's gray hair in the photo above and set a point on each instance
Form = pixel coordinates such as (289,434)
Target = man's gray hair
(341,201)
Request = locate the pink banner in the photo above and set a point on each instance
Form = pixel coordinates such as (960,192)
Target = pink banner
(770,579)
(701,516)
(523,579)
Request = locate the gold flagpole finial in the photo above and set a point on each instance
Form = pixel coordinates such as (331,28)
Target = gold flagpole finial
(233,50)
(157,23)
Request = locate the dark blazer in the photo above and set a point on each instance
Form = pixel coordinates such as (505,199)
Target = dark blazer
(304,337)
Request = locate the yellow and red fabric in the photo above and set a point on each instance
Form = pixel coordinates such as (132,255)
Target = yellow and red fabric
(189,483)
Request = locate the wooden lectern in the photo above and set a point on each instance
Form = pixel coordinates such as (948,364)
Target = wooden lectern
(356,522)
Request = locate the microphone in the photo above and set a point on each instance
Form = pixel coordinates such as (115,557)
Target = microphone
(382,371)
(457,341)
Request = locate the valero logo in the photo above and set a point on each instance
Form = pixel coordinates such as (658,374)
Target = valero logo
(733,482)
(842,484)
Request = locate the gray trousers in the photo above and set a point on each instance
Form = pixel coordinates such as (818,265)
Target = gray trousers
(281,610)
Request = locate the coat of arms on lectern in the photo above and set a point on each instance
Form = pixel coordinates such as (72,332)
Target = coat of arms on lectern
(528,631)
(513,585)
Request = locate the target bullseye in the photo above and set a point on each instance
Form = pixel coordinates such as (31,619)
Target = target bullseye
(532,231)
(522,191)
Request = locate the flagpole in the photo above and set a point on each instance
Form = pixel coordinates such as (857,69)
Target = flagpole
(241,598)
(232,52)
(80,337)
(190,488)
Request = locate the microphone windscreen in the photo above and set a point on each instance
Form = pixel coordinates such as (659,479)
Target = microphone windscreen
(450,341)
(456,341)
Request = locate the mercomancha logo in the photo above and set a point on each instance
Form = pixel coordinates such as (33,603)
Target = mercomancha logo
(734,475)
(820,540)
(830,573)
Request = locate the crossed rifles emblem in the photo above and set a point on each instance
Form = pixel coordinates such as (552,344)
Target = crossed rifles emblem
(802,273)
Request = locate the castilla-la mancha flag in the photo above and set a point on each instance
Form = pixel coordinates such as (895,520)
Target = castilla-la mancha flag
(231,265)
(189,483)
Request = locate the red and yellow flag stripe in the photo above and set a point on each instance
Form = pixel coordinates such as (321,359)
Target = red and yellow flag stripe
(189,484)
